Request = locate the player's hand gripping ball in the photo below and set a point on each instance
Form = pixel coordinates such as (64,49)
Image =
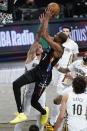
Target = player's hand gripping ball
(54,8)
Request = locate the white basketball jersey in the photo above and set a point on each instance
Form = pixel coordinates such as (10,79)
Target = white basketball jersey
(77,110)
(77,68)
(70,48)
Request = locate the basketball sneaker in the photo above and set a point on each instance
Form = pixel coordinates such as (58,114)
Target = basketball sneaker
(16,113)
(19,118)
(44,118)
(49,127)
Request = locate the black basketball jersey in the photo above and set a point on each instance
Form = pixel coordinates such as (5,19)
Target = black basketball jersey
(45,63)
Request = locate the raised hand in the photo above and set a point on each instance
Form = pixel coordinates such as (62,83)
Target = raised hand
(42,18)
(48,14)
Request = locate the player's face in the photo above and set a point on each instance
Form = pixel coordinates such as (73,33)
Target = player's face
(39,50)
(66,31)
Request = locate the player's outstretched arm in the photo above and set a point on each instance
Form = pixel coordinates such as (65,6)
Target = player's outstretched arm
(44,20)
(62,113)
(32,52)
(63,70)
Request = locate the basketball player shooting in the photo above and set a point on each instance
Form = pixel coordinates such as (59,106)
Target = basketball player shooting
(42,73)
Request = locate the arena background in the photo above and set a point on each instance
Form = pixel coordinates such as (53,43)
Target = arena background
(16,38)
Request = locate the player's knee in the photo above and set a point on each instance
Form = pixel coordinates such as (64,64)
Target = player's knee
(14,85)
(57,100)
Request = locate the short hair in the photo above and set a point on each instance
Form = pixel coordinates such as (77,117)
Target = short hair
(33,128)
(79,85)
(60,37)
(66,26)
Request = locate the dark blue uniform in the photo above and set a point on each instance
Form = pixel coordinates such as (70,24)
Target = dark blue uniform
(41,75)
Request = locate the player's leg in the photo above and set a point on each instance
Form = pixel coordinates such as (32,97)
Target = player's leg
(26,78)
(40,86)
(42,101)
(26,106)
(35,97)
(27,98)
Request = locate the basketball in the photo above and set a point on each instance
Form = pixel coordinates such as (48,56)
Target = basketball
(54,8)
